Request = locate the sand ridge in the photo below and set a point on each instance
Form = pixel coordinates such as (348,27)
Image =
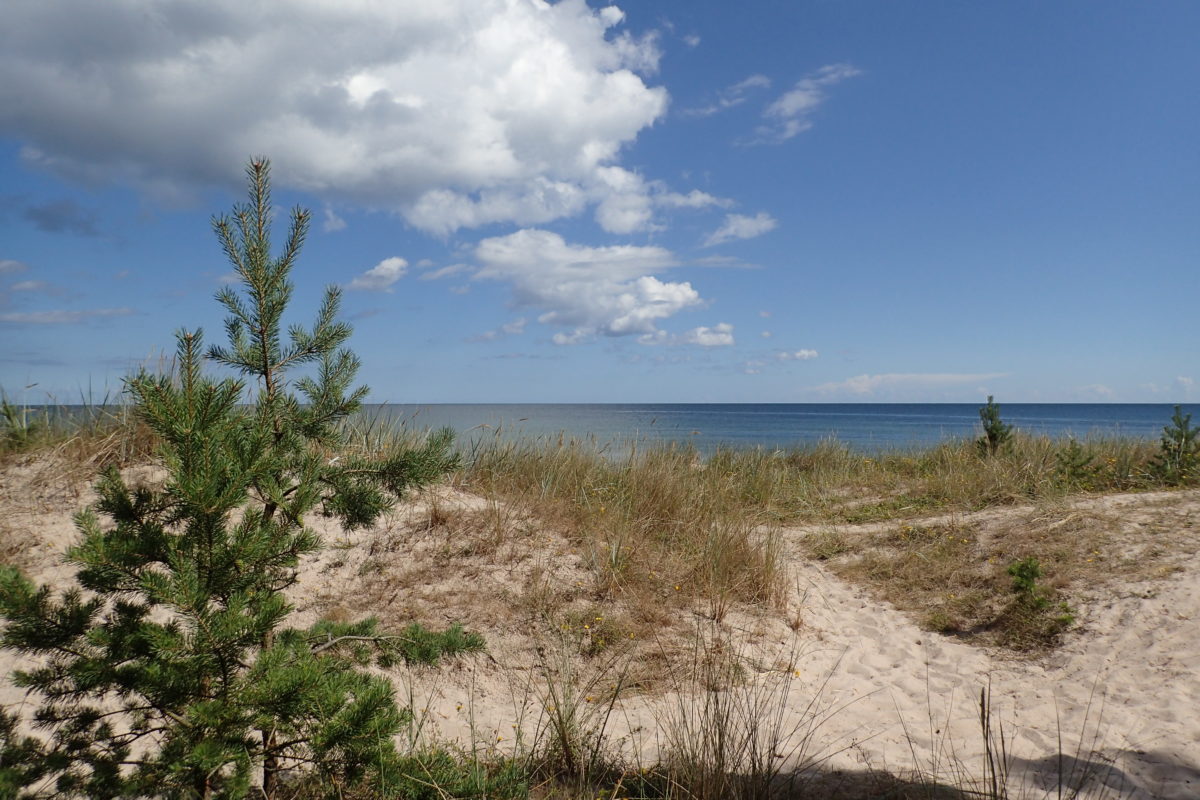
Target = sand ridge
(862,685)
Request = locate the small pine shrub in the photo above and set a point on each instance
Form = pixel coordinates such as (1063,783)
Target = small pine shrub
(1178,460)
(1035,618)
(996,432)
(1075,466)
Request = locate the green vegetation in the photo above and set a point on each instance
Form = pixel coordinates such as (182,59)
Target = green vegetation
(996,432)
(1178,461)
(170,670)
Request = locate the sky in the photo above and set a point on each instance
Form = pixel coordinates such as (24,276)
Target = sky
(667,201)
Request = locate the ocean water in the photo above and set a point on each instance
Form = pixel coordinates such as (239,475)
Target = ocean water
(707,426)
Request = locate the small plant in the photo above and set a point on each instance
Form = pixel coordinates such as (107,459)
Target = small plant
(18,431)
(1035,617)
(1075,466)
(1178,460)
(995,431)
(1025,574)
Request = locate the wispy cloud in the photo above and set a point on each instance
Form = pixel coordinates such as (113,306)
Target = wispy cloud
(60,317)
(332,222)
(791,113)
(719,335)
(9,266)
(380,277)
(514,328)
(863,385)
(739,226)
(730,97)
(796,355)
(444,272)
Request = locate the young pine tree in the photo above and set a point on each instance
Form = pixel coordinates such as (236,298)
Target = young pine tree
(169,671)
(995,431)
(1178,460)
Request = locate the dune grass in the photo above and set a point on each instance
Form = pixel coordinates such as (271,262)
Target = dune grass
(663,528)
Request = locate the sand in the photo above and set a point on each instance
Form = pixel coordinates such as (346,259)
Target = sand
(857,684)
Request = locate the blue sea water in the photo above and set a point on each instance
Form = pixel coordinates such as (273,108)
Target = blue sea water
(707,426)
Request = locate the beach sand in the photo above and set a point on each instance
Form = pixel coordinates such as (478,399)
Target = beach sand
(857,684)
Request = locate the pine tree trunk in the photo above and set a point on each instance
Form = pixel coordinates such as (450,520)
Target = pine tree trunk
(270,766)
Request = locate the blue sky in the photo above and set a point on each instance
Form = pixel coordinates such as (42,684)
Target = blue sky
(669,201)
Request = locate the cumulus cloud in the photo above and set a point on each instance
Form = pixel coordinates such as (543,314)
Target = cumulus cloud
(587,291)
(791,113)
(456,113)
(60,317)
(380,277)
(870,384)
(719,335)
(796,355)
(732,96)
(627,201)
(740,226)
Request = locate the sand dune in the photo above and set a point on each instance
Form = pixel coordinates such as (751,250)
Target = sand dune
(862,686)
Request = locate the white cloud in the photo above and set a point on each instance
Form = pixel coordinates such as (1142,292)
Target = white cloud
(732,96)
(870,384)
(454,113)
(589,291)
(766,334)
(444,272)
(29,286)
(790,114)
(380,277)
(753,367)
(61,317)
(719,335)
(1096,390)
(627,201)
(739,226)
(333,222)
(514,328)
(796,355)
(10,267)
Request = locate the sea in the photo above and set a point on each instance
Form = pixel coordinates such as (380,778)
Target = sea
(867,427)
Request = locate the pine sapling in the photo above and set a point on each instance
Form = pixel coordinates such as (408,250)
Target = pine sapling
(1075,465)
(170,670)
(995,431)
(1178,460)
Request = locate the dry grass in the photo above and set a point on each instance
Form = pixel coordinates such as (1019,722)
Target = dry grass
(951,572)
(621,556)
